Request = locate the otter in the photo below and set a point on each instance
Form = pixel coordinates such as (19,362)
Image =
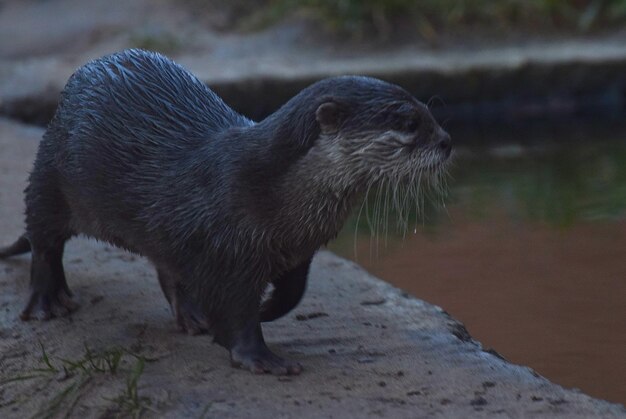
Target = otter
(143,155)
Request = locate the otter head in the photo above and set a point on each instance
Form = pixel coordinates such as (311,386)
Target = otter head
(377,131)
(335,140)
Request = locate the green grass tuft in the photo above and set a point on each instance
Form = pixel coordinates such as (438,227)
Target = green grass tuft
(428,18)
(129,402)
(80,372)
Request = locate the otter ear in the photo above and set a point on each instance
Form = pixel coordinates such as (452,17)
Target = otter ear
(330,115)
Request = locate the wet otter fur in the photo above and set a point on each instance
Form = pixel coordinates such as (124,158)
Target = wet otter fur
(143,155)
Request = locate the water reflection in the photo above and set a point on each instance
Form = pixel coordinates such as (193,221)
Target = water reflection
(530,253)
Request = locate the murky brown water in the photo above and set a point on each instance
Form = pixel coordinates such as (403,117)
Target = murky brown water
(530,256)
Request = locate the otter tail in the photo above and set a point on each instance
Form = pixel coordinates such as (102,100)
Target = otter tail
(21,245)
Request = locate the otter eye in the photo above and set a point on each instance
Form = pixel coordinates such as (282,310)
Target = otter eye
(412,125)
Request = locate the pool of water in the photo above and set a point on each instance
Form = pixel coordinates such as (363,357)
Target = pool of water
(529,252)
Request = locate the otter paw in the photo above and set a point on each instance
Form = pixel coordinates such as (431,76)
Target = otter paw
(264,361)
(44,306)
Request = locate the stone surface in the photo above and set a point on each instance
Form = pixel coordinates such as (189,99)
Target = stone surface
(367,348)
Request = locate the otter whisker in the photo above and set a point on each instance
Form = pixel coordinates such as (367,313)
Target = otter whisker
(410,195)
(406,209)
(386,211)
(358,220)
(375,216)
(379,216)
(432,99)
(367,210)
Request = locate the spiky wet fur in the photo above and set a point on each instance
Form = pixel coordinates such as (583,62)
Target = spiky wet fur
(143,155)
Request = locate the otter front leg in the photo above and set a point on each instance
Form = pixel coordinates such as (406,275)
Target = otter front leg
(288,291)
(50,294)
(247,346)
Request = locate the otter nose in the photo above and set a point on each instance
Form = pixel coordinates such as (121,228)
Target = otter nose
(444,142)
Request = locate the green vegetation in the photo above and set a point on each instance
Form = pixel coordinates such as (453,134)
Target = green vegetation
(429,18)
(129,401)
(78,373)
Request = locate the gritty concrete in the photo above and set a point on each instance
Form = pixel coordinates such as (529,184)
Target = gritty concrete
(368,350)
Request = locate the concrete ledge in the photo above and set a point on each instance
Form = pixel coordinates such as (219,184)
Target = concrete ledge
(554,75)
(367,348)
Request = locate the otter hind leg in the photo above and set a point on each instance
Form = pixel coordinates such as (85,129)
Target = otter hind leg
(189,317)
(47,228)
(288,291)
(21,245)
(50,295)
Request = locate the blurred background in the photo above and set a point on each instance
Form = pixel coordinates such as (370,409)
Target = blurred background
(529,250)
